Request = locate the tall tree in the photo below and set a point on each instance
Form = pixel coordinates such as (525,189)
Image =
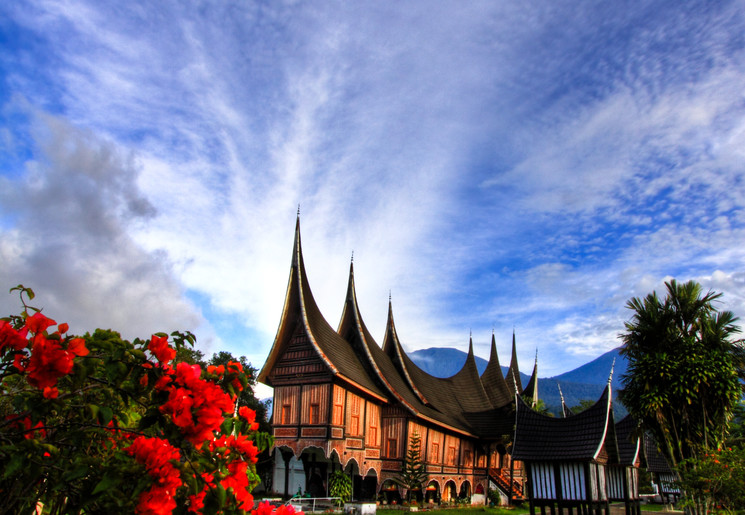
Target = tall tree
(413,474)
(683,379)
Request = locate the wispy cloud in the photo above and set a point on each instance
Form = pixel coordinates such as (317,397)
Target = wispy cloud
(490,165)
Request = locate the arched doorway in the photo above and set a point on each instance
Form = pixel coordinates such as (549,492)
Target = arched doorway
(465,492)
(368,486)
(316,468)
(390,493)
(448,492)
(432,492)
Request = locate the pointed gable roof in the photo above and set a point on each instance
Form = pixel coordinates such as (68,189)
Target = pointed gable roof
(301,309)
(471,395)
(393,349)
(532,389)
(513,373)
(353,329)
(580,437)
(493,380)
(629,443)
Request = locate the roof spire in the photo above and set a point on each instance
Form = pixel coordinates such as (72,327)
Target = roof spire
(352,256)
(613,365)
(298,210)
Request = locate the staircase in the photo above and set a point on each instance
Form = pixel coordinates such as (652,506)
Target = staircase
(501,476)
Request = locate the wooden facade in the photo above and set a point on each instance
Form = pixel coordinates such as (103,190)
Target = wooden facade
(343,402)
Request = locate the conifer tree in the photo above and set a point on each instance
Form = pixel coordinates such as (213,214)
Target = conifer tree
(413,474)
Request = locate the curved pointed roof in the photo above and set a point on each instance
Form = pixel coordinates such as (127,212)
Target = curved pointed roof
(531,390)
(513,373)
(539,437)
(301,309)
(392,348)
(629,443)
(471,395)
(353,329)
(493,380)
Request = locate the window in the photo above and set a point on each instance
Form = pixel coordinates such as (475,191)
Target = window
(451,455)
(337,414)
(391,448)
(355,412)
(286,414)
(435,458)
(314,413)
(467,458)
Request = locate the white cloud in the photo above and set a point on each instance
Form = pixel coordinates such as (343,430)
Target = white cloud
(72,210)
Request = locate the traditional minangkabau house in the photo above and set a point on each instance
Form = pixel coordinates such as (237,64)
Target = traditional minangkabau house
(664,477)
(623,477)
(572,463)
(343,402)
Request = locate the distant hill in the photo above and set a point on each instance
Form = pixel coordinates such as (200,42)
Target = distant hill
(583,383)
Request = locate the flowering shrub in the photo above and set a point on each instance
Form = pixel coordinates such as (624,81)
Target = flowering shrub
(101,424)
(715,481)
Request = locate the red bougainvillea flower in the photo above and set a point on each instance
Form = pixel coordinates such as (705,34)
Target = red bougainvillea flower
(238,481)
(195,405)
(161,350)
(264,508)
(217,370)
(24,425)
(77,347)
(10,338)
(49,361)
(235,367)
(196,502)
(250,416)
(50,392)
(157,456)
(38,323)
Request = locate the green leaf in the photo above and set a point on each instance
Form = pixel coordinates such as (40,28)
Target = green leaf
(106,483)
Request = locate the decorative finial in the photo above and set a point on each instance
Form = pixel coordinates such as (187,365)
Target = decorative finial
(613,365)
(298,210)
(352,256)
(536,355)
(389,296)
(563,404)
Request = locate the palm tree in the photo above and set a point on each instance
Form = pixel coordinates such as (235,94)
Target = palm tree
(683,379)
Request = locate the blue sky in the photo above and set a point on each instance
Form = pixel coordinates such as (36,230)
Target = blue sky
(492,165)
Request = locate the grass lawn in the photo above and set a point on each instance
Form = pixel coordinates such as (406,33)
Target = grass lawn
(476,510)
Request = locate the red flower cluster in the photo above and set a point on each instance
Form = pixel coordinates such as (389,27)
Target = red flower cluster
(238,481)
(250,416)
(157,456)
(10,338)
(195,405)
(264,508)
(49,360)
(160,349)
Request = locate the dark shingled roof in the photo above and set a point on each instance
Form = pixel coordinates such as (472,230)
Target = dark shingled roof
(532,389)
(513,373)
(628,441)
(656,461)
(493,380)
(579,437)
(301,307)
